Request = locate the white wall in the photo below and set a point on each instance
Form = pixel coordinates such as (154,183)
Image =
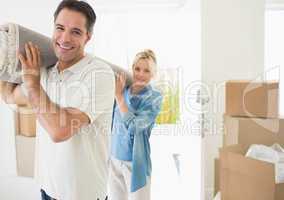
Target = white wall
(175,35)
(232,48)
(33,14)
(269,2)
(274,60)
(7,141)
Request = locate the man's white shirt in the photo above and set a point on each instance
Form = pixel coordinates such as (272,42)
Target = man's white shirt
(76,169)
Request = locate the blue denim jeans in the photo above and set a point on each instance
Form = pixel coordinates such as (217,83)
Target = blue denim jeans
(44,196)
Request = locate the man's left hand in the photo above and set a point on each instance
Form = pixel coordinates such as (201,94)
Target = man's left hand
(31,66)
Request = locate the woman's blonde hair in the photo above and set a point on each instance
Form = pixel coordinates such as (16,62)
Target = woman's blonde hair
(148,55)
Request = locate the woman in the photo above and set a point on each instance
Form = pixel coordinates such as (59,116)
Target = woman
(137,107)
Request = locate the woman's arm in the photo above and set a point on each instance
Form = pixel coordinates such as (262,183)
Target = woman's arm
(146,115)
(119,88)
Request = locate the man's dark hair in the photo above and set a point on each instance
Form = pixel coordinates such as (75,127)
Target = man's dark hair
(79,6)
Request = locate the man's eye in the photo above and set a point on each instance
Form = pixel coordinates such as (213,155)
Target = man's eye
(76,33)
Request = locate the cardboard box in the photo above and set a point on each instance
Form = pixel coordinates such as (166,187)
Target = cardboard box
(252,99)
(216,176)
(244,178)
(247,131)
(25,155)
(25,121)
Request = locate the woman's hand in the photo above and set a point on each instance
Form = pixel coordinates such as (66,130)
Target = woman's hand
(119,85)
(31,66)
(136,87)
(120,81)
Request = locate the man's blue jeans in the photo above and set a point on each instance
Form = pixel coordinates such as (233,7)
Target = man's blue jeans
(44,196)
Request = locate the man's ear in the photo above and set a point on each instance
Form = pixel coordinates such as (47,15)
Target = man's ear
(89,36)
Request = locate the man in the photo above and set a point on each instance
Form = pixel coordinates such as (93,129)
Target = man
(73,101)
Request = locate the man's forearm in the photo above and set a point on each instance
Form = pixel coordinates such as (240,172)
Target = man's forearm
(59,122)
(48,113)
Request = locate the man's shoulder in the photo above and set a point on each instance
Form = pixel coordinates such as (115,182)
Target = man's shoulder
(98,63)
(96,68)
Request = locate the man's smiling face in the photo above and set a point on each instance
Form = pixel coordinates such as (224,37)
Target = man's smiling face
(69,37)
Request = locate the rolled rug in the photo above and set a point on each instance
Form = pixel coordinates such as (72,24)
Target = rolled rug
(116,69)
(14,37)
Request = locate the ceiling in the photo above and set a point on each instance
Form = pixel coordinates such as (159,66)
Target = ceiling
(117,4)
(275,4)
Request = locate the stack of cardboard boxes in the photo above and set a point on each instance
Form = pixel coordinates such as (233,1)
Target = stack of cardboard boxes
(25,126)
(25,120)
(251,117)
(25,123)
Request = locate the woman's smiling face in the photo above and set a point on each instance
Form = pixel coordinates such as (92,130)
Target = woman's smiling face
(142,73)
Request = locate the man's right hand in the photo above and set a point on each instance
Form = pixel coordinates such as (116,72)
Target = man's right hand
(7,89)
